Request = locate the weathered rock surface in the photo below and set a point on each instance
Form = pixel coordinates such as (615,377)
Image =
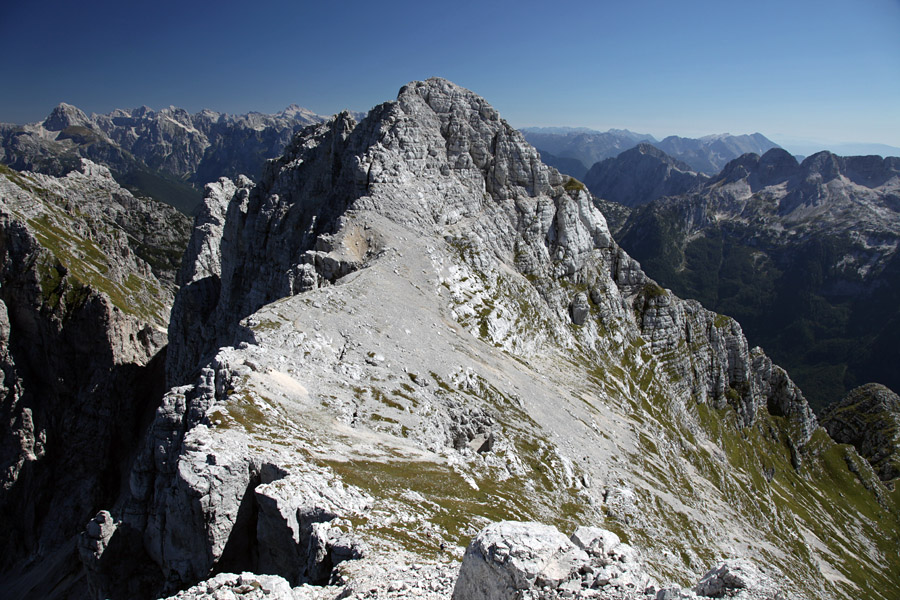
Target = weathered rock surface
(507,557)
(869,419)
(513,560)
(246,586)
(82,327)
(294,527)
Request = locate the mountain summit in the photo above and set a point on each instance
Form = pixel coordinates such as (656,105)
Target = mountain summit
(411,330)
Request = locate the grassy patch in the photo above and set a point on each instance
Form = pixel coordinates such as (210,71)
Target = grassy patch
(573,185)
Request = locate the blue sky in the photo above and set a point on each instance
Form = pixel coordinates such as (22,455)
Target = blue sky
(825,69)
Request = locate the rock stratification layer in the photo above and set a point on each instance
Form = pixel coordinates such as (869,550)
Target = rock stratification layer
(411,328)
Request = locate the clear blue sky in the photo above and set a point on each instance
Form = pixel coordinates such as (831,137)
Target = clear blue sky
(823,69)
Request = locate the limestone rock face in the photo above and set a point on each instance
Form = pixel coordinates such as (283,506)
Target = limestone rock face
(294,531)
(528,560)
(869,419)
(721,368)
(83,309)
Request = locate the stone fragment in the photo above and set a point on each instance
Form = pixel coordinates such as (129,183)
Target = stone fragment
(737,578)
(580,308)
(595,541)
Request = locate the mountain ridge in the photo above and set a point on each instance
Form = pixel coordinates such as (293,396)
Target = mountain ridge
(166,154)
(641,174)
(769,239)
(410,328)
(513,293)
(705,155)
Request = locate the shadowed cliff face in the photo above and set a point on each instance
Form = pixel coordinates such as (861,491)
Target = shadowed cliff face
(82,320)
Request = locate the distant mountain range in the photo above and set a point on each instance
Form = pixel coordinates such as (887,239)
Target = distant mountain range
(167,154)
(705,155)
(803,147)
(586,147)
(804,255)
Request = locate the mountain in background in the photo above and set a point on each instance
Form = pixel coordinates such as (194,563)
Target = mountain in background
(570,166)
(705,155)
(167,154)
(585,147)
(804,255)
(804,147)
(710,153)
(640,175)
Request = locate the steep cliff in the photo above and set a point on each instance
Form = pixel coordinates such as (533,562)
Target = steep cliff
(411,328)
(82,328)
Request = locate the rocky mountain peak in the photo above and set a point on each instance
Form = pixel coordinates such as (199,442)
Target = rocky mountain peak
(469,167)
(66,115)
(640,175)
(776,165)
(410,328)
(649,150)
(773,167)
(822,166)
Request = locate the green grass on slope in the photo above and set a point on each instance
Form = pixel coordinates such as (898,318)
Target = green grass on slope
(74,264)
